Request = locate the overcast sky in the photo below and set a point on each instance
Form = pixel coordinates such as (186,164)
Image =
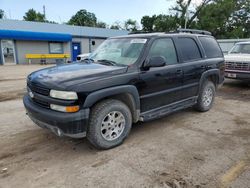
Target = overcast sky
(108,11)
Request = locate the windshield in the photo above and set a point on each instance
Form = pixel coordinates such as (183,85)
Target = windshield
(240,49)
(123,51)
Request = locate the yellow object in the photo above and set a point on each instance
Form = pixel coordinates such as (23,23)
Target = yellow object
(233,173)
(72,108)
(46,56)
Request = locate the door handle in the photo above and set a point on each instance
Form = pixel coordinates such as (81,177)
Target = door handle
(179,72)
(206,66)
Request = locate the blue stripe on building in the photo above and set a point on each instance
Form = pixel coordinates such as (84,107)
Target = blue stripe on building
(35,36)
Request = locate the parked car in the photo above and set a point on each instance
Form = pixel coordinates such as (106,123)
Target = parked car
(81,57)
(132,78)
(237,62)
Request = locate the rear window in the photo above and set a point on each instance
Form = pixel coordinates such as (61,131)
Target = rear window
(211,47)
(189,49)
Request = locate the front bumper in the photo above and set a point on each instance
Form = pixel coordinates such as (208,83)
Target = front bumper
(237,75)
(62,124)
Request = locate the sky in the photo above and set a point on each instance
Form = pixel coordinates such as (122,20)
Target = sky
(108,11)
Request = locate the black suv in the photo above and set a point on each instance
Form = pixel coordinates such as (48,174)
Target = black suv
(131,78)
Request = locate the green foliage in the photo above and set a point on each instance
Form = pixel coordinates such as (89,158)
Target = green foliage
(83,18)
(224,18)
(214,17)
(160,23)
(101,24)
(241,18)
(117,27)
(1,13)
(131,25)
(32,15)
(148,23)
(166,23)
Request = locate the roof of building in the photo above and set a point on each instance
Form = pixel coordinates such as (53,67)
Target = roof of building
(18,25)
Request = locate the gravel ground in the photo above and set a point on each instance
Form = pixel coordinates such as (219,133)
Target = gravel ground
(182,150)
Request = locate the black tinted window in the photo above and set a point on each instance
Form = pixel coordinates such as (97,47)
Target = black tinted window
(164,47)
(211,47)
(189,49)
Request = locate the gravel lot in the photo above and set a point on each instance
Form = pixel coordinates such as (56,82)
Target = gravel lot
(185,149)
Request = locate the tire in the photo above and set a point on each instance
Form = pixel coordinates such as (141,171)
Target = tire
(109,125)
(206,97)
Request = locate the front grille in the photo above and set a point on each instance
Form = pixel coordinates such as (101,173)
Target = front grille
(41,103)
(38,89)
(243,66)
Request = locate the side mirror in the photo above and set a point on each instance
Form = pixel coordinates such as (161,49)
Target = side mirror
(158,61)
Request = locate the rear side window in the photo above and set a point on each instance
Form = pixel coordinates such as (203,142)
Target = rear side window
(189,49)
(211,47)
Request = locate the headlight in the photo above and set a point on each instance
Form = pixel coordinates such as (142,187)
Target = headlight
(66,95)
(64,108)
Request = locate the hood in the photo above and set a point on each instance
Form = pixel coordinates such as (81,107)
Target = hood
(237,58)
(63,76)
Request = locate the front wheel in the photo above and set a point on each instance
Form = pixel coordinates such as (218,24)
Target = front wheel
(206,97)
(110,123)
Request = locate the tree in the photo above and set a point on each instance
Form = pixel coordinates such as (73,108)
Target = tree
(159,23)
(131,25)
(101,24)
(240,19)
(32,15)
(166,23)
(1,13)
(148,23)
(83,18)
(117,25)
(226,18)
(181,11)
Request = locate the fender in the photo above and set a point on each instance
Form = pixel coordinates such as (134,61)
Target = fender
(207,74)
(92,98)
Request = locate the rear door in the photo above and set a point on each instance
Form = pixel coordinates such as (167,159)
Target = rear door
(193,64)
(161,86)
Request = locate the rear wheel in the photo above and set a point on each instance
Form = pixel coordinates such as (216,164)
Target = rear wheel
(110,123)
(206,97)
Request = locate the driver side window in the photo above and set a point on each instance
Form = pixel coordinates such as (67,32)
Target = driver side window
(165,48)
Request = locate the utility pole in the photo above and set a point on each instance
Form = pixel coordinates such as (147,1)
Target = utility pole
(186,18)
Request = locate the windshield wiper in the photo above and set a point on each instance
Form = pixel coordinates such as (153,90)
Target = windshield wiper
(88,60)
(109,62)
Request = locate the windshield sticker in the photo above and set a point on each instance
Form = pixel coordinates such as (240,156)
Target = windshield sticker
(141,41)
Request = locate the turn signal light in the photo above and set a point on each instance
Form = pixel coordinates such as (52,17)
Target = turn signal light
(64,108)
(72,108)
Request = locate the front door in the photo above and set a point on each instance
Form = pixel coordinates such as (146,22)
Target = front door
(8,52)
(161,86)
(76,49)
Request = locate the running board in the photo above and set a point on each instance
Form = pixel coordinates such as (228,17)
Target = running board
(170,108)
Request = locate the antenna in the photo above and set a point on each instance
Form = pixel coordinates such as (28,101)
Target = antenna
(44,11)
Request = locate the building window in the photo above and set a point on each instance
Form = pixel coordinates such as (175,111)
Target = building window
(55,48)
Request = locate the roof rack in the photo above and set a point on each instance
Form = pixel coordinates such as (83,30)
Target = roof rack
(139,32)
(194,31)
